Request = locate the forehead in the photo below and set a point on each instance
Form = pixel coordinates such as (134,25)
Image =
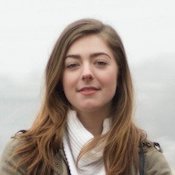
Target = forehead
(88,45)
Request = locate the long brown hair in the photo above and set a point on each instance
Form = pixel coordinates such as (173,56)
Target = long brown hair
(44,139)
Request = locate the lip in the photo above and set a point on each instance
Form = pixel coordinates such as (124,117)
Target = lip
(88,90)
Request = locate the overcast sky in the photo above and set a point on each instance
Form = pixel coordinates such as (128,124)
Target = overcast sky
(29,29)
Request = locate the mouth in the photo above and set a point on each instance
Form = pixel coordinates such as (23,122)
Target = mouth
(88,90)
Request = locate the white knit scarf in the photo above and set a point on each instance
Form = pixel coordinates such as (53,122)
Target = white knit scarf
(73,141)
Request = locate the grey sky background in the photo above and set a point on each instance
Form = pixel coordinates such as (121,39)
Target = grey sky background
(29,29)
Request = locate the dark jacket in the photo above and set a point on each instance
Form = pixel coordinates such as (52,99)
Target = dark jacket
(154,162)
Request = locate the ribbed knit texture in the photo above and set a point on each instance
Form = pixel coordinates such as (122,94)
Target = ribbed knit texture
(74,140)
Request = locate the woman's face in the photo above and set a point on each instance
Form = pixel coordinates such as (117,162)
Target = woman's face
(90,74)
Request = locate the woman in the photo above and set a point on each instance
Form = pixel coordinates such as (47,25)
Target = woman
(85,124)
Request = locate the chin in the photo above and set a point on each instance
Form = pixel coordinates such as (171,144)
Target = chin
(89,108)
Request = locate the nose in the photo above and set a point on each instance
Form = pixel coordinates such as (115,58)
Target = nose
(87,77)
(87,73)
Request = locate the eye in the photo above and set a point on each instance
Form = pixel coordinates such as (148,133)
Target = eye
(72,65)
(101,63)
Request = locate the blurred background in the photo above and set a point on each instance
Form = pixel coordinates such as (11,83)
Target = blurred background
(29,29)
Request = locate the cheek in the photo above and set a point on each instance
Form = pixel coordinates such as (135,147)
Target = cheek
(69,82)
(110,83)
(66,88)
(110,79)
(66,83)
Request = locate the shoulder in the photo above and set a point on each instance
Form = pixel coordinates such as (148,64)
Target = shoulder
(14,142)
(7,160)
(9,148)
(155,162)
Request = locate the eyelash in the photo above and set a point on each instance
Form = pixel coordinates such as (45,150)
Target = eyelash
(71,66)
(97,63)
(102,63)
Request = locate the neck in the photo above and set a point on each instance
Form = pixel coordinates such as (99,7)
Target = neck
(93,120)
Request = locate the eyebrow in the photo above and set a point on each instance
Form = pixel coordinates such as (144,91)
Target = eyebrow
(93,55)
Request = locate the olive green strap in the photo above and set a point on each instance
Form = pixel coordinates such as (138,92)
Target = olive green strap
(142,160)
